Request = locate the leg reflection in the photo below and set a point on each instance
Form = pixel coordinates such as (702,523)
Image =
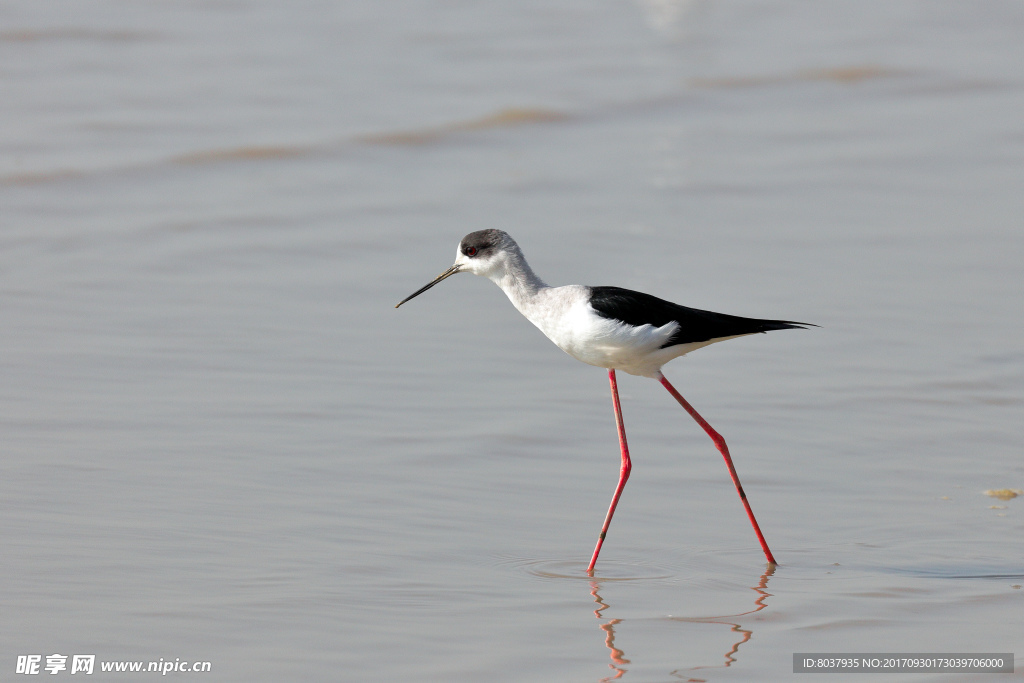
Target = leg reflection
(725,620)
(618,657)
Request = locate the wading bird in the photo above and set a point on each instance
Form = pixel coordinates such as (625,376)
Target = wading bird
(611,328)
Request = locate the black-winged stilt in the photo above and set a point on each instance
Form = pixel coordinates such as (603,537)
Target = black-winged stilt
(611,328)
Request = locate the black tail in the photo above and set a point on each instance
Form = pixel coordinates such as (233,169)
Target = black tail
(696,325)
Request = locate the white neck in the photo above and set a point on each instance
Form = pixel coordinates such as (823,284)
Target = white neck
(518,281)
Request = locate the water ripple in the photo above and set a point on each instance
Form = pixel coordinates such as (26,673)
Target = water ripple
(577,569)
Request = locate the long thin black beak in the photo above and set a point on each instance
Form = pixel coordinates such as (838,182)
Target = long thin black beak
(451,271)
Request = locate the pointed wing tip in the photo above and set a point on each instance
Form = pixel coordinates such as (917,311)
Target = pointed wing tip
(789,325)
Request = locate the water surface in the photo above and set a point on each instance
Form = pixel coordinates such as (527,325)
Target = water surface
(222,443)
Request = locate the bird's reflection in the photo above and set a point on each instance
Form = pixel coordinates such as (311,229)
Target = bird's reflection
(618,657)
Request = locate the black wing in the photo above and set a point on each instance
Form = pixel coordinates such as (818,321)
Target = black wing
(695,325)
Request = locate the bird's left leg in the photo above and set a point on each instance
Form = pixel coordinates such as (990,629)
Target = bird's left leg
(724,450)
(623,472)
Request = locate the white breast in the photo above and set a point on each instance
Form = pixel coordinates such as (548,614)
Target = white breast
(565,316)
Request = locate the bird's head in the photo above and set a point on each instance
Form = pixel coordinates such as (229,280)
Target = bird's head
(484,252)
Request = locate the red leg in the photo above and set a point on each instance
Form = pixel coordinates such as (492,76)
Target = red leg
(724,450)
(623,473)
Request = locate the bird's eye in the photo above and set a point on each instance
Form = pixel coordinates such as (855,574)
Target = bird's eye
(469,251)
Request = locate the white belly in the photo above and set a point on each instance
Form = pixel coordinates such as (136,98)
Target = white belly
(579,331)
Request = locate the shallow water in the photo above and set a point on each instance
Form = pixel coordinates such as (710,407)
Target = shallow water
(221,443)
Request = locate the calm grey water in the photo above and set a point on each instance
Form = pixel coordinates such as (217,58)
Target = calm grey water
(221,443)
